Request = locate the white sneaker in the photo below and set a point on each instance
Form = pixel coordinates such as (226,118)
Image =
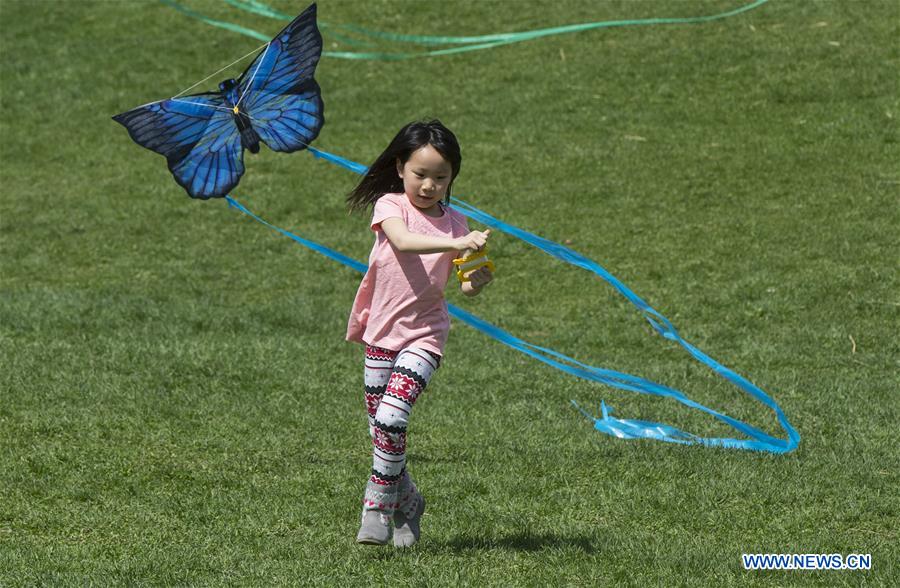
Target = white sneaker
(375,528)
(406,530)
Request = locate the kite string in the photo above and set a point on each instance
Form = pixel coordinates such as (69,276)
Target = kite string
(255,71)
(220,71)
(236,61)
(197,104)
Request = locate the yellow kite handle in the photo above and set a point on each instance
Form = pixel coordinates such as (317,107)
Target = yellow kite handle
(468,264)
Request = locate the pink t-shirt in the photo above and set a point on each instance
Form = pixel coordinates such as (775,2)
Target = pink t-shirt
(400,302)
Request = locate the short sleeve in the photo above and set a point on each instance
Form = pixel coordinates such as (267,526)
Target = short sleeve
(460,224)
(386,207)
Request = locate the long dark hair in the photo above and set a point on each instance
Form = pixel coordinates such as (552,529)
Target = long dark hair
(382,176)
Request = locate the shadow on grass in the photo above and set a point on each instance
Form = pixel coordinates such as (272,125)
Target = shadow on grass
(517,542)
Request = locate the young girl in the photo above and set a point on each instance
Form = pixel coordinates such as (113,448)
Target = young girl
(400,313)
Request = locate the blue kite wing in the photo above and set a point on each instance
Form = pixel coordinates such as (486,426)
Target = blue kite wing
(278,91)
(202,136)
(198,137)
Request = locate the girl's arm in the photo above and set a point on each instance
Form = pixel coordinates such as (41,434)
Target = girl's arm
(403,240)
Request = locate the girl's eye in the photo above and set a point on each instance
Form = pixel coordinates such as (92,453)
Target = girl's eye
(418,175)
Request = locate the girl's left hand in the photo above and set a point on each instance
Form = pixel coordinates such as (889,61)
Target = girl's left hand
(480,278)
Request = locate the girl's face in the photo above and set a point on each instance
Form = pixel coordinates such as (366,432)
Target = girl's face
(426,177)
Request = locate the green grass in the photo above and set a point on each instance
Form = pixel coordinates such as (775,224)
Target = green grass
(178,405)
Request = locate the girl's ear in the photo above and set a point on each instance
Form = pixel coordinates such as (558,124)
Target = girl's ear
(399,167)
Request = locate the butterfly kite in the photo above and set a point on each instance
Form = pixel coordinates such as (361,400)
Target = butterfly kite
(276,101)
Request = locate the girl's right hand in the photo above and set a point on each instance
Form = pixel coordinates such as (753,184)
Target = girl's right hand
(473,241)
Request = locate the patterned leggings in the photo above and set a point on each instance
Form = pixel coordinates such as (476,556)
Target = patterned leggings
(394,380)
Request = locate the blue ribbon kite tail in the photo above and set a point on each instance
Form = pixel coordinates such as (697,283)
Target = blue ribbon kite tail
(606,423)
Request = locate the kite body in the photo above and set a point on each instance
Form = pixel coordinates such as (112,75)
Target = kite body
(276,101)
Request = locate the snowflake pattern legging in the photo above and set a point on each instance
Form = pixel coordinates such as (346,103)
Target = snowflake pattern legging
(393,380)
